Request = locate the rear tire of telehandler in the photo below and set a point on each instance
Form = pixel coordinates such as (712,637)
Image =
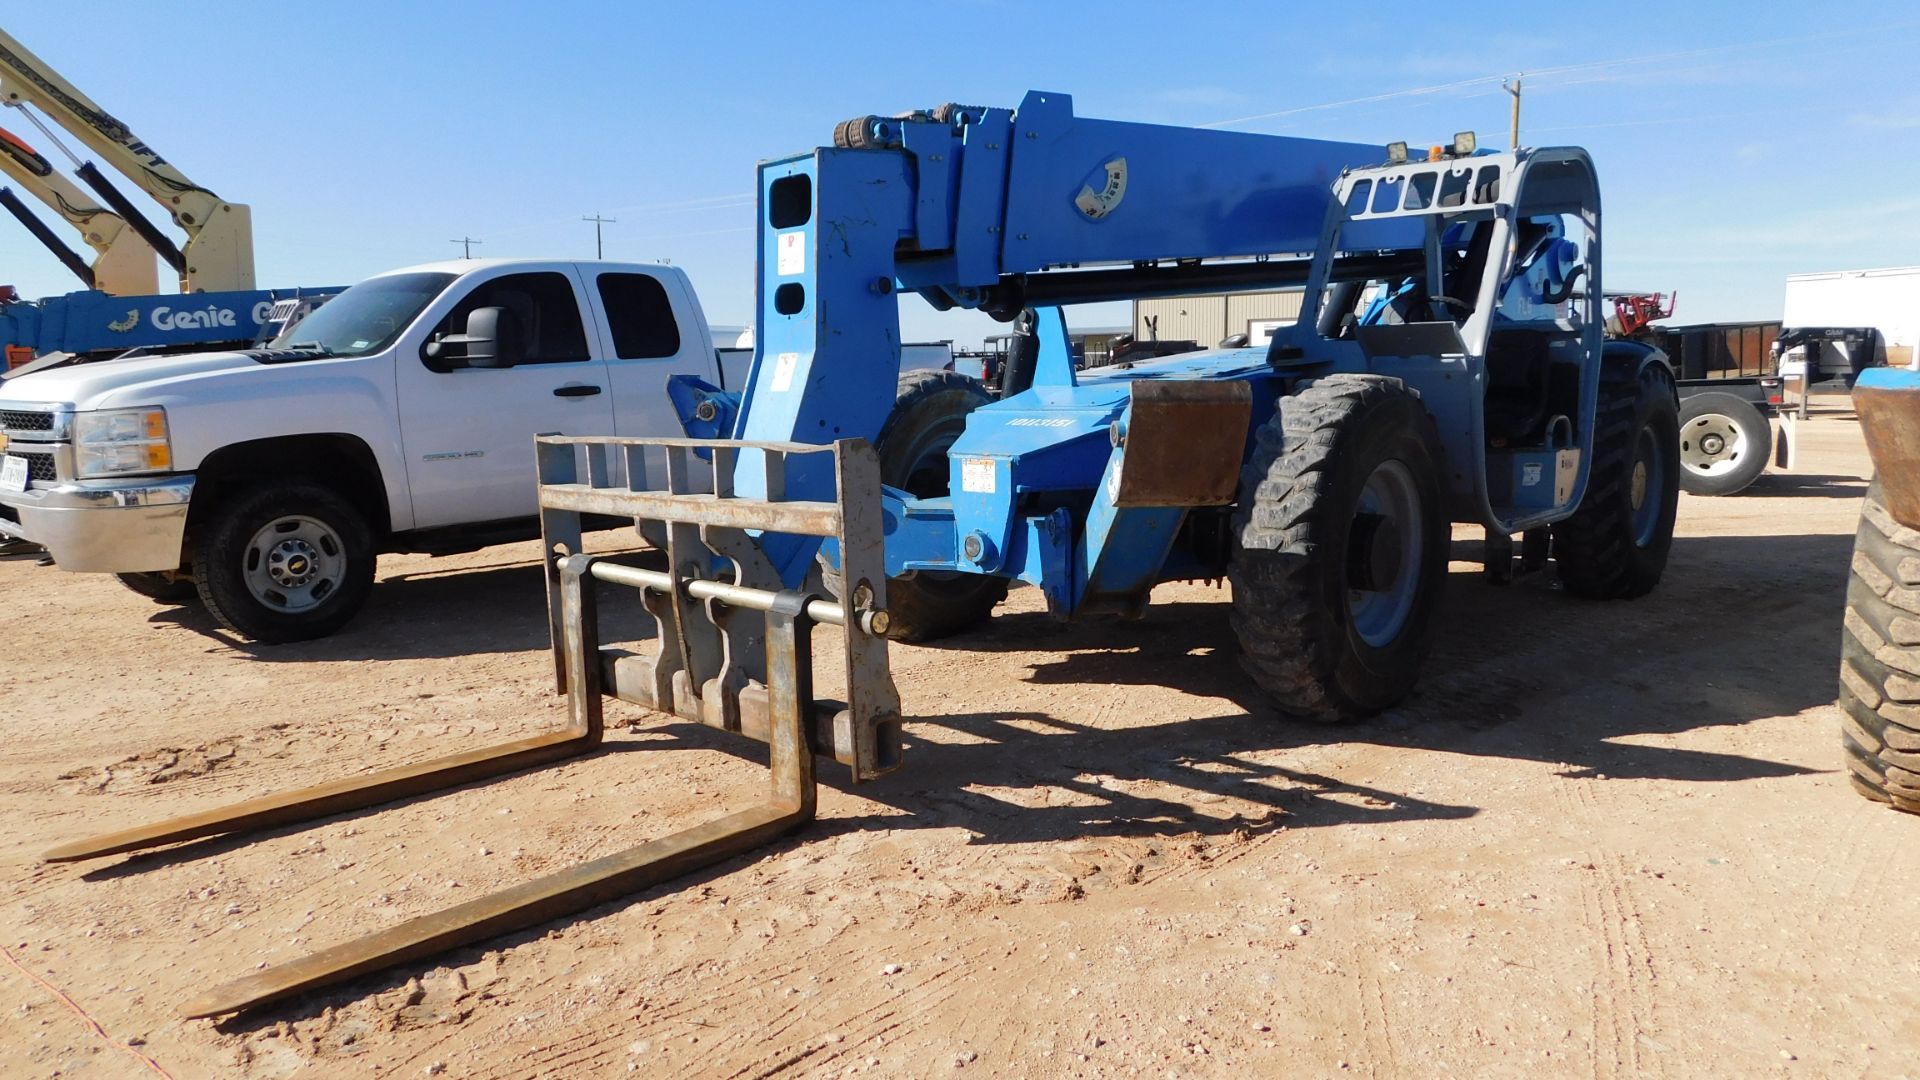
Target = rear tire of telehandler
(1880,661)
(1614,546)
(1341,539)
(928,414)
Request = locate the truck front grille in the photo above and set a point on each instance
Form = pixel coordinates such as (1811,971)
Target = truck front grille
(11,420)
(39,466)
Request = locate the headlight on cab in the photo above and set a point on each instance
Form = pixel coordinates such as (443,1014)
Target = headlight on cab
(119,442)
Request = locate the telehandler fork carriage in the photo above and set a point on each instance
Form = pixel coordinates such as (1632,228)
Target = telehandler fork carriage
(734,653)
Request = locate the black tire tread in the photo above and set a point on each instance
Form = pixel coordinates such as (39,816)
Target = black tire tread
(923,608)
(1285,633)
(1879,692)
(1594,548)
(226,596)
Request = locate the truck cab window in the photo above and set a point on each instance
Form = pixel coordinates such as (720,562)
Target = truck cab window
(364,319)
(640,316)
(548,317)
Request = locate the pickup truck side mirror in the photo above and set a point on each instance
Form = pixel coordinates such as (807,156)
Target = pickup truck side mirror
(493,340)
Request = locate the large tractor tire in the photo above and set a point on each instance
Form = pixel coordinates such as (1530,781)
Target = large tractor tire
(1614,546)
(1880,660)
(284,562)
(1340,552)
(1724,444)
(928,414)
(161,589)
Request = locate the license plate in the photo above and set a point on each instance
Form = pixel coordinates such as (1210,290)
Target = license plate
(13,474)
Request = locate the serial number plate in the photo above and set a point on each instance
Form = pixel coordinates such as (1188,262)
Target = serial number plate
(13,474)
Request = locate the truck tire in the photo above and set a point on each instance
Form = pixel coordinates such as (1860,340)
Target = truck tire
(283,563)
(1614,546)
(1880,660)
(1724,443)
(1340,551)
(929,413)
(159,588)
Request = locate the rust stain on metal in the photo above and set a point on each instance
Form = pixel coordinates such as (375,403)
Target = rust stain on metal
(1891,422)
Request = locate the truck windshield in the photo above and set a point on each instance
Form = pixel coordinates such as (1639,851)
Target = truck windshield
(365,318)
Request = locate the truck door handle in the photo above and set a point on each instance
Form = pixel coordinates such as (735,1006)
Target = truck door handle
(575,391)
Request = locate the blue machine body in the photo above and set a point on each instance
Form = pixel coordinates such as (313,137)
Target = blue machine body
(92,322)
(1031,209)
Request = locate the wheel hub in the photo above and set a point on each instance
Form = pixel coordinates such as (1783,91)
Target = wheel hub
(1639,485)
(291,563)
(1712,443)
(1373,552)
(1384,547)
(294,563)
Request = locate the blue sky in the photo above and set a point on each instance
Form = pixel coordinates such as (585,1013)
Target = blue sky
(1737,143)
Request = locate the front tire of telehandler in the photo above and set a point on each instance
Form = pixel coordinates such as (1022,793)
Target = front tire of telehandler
(1341,540)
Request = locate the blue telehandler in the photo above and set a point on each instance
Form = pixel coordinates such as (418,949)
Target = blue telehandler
(1449,365)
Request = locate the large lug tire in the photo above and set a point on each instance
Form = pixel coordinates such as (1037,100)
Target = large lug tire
(1724,444)
(1614,546)
(160,588)
(1880,660)
(284,563)
(928,414)
(1341,538)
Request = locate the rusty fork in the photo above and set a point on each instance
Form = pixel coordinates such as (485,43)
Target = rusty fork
(701,672)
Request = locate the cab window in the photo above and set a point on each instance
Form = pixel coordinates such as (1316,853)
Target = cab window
(548,318)
(640,316)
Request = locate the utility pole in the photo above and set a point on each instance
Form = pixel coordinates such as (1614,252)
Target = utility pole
(466,246)
(599,249)
(1513,134)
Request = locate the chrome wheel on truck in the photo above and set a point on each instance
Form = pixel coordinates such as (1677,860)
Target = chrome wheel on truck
(294,563)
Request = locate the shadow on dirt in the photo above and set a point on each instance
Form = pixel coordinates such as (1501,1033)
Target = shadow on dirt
(1774,485)
(1743,628)
(433,613)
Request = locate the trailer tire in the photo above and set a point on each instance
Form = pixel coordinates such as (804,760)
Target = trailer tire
(160,588)
(284,562)
(929,413)
(1343,490)
(1879,664)
(1615,545)
(1724,443)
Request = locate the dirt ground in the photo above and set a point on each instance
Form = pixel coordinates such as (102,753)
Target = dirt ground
(1602,839)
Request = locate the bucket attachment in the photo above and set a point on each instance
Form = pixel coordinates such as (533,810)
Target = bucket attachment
(735,653)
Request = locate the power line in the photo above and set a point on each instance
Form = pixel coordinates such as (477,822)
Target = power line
(599,248)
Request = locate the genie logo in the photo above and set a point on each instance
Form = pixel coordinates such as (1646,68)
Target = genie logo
(211,317)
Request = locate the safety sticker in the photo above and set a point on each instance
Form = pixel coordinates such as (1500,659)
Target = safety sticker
(793,254)
(976,475)
(783,366)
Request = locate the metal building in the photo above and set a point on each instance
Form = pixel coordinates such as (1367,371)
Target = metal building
(1207,320)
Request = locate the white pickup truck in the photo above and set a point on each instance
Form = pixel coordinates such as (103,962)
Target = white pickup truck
(399,417)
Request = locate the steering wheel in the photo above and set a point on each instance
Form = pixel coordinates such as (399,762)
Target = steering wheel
(1457,304)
